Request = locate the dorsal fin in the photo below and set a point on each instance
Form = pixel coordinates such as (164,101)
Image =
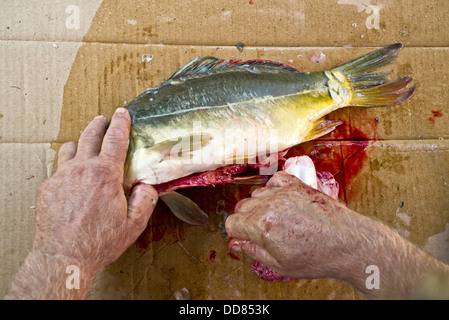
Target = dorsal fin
(207,65)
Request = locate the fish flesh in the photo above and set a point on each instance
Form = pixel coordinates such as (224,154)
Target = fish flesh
(304,169)
(215,118)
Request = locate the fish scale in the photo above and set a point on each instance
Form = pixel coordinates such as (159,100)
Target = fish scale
(215,90)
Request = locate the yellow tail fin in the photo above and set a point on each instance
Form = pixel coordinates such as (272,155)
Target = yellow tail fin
(371,87)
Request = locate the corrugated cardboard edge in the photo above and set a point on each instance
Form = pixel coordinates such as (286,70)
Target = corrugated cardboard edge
(44,156)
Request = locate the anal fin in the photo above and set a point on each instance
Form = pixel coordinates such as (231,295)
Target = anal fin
(322,127)
(184,208)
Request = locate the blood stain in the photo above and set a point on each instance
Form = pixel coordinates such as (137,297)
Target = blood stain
(212,255)
(344,156)
(233,256)
(163,224)
(437,114)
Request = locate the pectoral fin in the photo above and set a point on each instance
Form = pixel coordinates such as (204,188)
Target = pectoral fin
(183,147)
(184,208)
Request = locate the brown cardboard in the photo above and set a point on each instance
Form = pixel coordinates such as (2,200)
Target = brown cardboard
(55,79)
(285,23)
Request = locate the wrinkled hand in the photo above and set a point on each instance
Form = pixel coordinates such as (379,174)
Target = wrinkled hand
(294,229)
(82,211)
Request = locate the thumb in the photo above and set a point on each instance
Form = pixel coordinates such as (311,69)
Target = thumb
(141,204)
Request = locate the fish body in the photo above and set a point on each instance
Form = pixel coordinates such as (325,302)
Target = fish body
(214,113)
(228,106)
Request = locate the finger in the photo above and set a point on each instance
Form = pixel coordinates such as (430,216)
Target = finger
(327,184)
(242,225)
(279,180)
(264,192)
(245,205)
(115,142)
(90,141)
(252,249)
(283,179)
(66,152)
(141,205)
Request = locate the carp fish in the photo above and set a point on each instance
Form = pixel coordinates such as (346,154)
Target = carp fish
(215,118)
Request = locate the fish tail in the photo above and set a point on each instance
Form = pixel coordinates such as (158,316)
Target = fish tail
(370,87)
(390,93)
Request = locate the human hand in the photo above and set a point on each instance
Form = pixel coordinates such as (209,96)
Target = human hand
(294,229)
(300,232)
(82,211)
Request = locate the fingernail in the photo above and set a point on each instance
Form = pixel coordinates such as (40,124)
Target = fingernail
(236,248)
(99,117)
(120,110)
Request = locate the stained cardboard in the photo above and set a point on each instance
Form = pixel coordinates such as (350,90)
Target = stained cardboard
(57,74)
(287,23)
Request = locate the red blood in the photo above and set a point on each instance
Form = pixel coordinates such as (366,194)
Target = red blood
(209,178)
(355,158)
(163,224)
(266,273)
(437,114)
(347,132)
(343,159)
(233,256)
(155,230)
(144,240)
(212,255)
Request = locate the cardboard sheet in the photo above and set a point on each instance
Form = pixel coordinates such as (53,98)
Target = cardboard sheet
(65,62)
